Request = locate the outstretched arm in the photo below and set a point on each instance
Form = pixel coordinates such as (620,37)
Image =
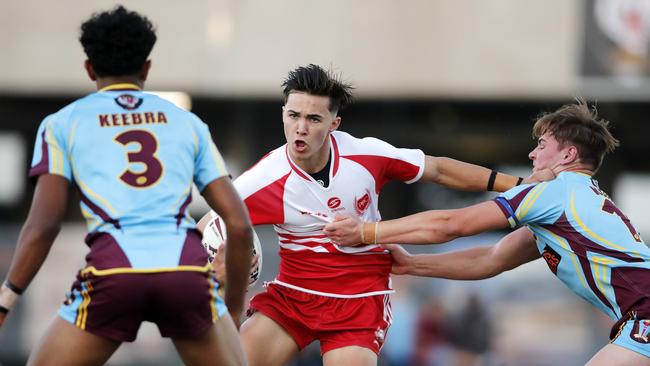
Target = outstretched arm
(476,263)
(463,176)
(38,233)
(435,226)
(224,200)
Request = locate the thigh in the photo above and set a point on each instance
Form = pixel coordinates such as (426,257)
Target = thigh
(351,355)
(64,344)
(265,342)
(614,355)
(219,345)
(184,304)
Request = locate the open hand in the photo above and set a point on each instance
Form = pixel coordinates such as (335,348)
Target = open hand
(401,259)
(542,175)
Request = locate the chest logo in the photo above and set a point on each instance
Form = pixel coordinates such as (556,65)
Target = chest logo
(362,203)
(128,101)
(334,202)
(552,258)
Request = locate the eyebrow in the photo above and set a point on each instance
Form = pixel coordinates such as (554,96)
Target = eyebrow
(312,115)
(540,140)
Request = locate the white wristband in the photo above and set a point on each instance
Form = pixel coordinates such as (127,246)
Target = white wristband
(8,297)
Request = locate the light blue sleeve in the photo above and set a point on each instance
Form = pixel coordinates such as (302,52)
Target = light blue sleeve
(208,162)
(51,154)
(540,204)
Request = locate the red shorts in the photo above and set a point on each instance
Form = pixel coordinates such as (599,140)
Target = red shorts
(335,322)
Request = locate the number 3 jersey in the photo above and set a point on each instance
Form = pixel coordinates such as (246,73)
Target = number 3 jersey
(586,241)
(276,191)
(133,158)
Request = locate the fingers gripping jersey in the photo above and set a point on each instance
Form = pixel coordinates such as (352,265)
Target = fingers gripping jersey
(133,157)
(586,241)
(276,191)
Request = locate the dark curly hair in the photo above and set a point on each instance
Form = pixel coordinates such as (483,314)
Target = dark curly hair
(313,79)
(117,42)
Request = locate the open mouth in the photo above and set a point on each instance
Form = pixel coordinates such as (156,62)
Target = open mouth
(300,145)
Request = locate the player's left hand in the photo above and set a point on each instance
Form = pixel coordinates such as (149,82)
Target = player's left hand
(542,175)
(219,265)
(345,230)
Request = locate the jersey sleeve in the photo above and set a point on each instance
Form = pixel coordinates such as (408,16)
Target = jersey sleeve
(541,203)
(208,163)
(50,151)
(384,161)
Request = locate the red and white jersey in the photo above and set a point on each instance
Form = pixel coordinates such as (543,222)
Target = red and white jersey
(276,191)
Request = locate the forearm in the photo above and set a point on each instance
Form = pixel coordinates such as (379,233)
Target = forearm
(430,227)
(33,247)
(238,257)
(469,264)
(464,176)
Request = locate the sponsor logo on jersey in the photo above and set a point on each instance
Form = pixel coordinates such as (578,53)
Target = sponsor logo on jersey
(552,258)
(641,331)
(128,101)
(361,204)
(334,202)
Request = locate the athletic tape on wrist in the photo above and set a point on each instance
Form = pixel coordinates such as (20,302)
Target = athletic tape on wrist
(8,297)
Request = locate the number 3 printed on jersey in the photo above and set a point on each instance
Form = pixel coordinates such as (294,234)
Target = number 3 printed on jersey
(145,155)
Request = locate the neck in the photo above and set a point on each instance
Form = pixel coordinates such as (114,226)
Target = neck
(317,162)
(109,80)
(575,167)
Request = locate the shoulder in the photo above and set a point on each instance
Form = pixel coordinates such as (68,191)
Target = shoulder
(270,167)
(350,145)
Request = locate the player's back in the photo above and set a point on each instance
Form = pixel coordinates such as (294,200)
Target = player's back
(588,242)
(133,158)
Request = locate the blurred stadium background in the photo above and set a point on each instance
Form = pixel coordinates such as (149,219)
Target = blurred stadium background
(455,78)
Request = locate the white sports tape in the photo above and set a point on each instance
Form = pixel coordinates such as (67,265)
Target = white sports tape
(8,298)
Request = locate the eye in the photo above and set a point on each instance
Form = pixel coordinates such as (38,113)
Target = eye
(315,119)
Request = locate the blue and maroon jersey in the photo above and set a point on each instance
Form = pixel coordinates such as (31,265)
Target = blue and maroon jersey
(133,158)
(586,241)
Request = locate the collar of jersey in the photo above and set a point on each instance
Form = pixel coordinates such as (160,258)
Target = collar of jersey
(120,86)
(335,159)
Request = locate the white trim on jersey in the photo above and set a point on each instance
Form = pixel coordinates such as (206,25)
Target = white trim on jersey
(327,294)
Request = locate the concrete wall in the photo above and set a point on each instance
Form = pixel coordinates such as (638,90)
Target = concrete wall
(415,48)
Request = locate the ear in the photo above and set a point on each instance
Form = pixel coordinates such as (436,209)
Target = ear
(570,155)
(336,122)
(144,72)
(90,70)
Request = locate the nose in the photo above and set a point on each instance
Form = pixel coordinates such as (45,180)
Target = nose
(302,126)
(532,155)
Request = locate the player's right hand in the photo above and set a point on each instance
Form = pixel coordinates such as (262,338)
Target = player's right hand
(402,260)
(542,175)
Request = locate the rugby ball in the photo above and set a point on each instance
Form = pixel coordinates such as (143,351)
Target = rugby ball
(214,236)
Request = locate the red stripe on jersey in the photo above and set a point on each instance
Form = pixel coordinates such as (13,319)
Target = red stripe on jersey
(266,205)
(335,273)
(296,237)
(335,147)
(295,168)
(384,169)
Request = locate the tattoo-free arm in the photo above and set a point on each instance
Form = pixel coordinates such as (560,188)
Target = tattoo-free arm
(224,200)
(475,263)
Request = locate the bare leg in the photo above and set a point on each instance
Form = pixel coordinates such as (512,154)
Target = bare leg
(66,345)
(265,342)
(613,355)
(219,345)
(351,355)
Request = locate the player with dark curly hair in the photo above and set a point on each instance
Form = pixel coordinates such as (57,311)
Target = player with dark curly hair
(133,158)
